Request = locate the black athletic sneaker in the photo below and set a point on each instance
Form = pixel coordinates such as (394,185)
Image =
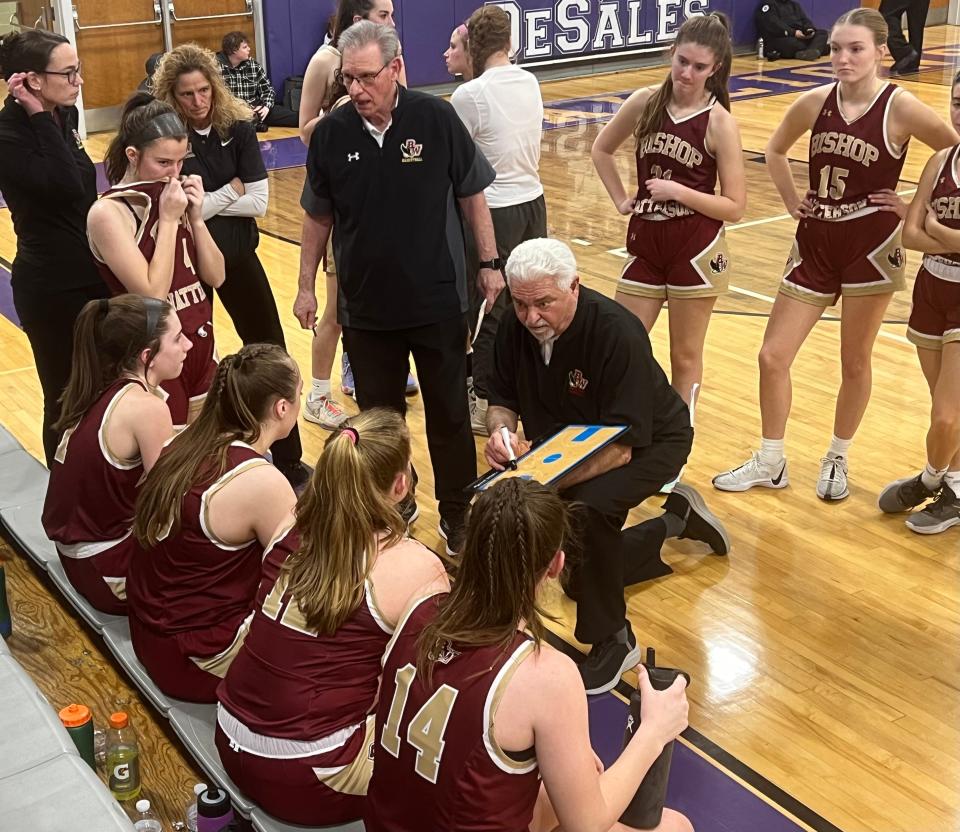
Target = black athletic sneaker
(297,474)
(607,662)
(409,510)
(904,495)
(455,536)
(938,516)
(701,523)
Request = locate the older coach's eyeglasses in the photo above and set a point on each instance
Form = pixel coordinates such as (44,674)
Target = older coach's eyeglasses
(364,80)
(71,74)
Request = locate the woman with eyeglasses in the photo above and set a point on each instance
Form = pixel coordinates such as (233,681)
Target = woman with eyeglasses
(114,428)
(49,182)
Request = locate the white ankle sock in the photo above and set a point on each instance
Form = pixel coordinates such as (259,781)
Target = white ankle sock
(320,388)
(952,478)
(839,447)
(932,477)
(771,451)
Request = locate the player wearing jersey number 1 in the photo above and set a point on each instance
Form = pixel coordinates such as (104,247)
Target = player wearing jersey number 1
(480,724)
(933,227)
(148,237)
(848,239)
(686,139)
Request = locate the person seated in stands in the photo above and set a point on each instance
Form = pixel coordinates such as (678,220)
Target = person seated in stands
(788,32)
(481,724)
(248,81)
(150,66)
(294,725)
(114,427)
(205,515)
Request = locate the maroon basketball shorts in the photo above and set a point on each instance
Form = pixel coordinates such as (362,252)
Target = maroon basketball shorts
(186,392)
(862,256)
(319,790)
(100,578)
(935,316)
(683,257)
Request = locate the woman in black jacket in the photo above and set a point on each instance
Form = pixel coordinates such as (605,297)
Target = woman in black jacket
(225,153)
(49,182)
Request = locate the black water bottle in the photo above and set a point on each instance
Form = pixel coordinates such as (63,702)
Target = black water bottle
(646,808)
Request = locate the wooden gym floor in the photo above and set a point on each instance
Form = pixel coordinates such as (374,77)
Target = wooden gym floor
(823,650)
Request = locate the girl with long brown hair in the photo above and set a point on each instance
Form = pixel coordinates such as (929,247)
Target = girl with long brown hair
(848,240)
(686,140)
(475,709)
(113,429)
(148,237)
(206,514)
(298,698)
(225,154)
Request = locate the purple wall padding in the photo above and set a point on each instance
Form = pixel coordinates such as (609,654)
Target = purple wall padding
(295,28)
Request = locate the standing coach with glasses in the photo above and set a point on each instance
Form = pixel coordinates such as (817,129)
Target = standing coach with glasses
(49,183)
(395,175)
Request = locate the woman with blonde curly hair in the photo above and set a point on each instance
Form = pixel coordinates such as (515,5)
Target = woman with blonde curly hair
(226,156)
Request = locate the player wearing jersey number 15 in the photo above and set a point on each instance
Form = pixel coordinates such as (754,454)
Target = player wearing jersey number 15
(475,710)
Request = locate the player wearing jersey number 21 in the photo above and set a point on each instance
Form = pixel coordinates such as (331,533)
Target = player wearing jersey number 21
(848,239)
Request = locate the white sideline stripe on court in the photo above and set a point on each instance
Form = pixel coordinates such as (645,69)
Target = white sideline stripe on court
(580,242)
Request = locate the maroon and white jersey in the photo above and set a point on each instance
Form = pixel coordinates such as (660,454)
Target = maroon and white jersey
(849,160)
(437,765)
(945,200)
(188,295)
(193,582)
(92,491)
(678,152)
(290,682)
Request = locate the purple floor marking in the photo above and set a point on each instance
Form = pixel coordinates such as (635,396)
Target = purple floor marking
(704,792)
(6,298)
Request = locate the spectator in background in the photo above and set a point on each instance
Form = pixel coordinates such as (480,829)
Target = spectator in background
(248,82)
(906,53)
(457,55)
(150,66)
(49,183)
(788,32)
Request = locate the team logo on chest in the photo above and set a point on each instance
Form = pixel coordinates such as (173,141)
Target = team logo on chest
(446,655)
(577,383)
(78,140)
(353,157)
(410,151)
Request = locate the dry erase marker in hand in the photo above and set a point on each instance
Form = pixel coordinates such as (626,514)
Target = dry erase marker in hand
(505,436)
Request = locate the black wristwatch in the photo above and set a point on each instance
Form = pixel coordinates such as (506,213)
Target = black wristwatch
(496,264)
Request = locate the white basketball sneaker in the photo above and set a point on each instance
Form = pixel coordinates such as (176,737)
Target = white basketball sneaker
(753,472)
(832,484)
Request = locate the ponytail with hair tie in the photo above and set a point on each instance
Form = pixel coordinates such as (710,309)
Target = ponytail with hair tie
(352,434)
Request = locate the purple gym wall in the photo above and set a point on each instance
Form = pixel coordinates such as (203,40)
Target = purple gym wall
(547,31)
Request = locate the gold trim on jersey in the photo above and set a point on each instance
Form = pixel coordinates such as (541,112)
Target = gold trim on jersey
(926,341)
(354,777)
(500,758)
(108,454)
(889,259)
(213,490)
(219,665)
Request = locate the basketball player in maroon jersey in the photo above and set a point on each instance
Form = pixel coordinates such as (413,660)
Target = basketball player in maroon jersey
(148,236)
(933,227)
(848,239)
(685,139)
(475,710)
(295,725)
(204,517)
(113,429)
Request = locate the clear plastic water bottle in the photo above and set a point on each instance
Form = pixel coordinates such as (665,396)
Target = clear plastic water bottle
(123,758)
(146,820)
(191,813)
(760,55)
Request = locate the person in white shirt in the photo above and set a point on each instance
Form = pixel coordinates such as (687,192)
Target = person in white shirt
(503,112)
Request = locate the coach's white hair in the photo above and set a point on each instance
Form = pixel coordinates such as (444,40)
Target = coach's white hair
(365,32)
(539,258)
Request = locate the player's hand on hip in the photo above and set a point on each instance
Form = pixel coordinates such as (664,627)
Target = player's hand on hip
(627,206)
(173,201)
(193,188)
(887,199)
(805,207)
(663,713)
(491,284)
(305,308)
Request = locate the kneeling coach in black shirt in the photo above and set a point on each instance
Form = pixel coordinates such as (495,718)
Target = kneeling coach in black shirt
(568,355)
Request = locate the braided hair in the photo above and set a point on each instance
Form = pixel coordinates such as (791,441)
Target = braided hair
(244,390)
(515,529)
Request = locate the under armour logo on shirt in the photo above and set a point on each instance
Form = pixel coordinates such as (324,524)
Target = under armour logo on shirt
(353,157)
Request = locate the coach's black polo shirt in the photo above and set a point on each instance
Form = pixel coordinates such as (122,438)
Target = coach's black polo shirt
(398,235)
(217,161)
(601,372)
